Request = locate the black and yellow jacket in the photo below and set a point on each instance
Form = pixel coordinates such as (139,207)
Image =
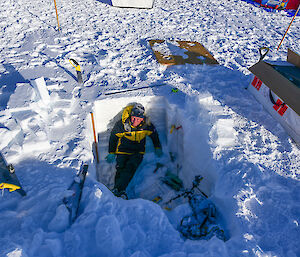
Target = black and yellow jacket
(126,139)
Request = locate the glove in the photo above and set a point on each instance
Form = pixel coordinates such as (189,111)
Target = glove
(110,158)
(158,152)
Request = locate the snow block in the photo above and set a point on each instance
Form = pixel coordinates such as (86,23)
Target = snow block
(61,219)
(9,130)
(109,238)
(41,89)
(28,96)
(148,4)
(276,85)
(226,134)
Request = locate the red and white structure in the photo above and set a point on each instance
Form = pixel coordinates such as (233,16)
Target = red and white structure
(279,92)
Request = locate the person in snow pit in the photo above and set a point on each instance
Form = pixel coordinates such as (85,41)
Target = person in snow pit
(127,144)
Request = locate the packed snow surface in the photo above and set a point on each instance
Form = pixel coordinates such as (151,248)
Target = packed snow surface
(252,164)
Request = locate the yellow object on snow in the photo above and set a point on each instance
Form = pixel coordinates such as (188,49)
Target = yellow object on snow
(8,186)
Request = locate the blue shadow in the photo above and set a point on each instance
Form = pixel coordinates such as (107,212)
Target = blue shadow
(105,2)
(8,81)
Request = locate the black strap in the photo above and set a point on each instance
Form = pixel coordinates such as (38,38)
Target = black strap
(273,100)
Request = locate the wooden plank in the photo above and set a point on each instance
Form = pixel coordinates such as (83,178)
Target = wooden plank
(293,58)
(196,54)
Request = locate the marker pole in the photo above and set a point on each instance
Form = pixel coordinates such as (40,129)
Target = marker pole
(95,139)
(289,26)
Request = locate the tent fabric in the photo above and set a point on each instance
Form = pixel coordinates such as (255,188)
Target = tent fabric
(293,4)
(279,4)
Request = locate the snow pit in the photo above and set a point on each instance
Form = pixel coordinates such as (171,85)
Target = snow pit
(177,136)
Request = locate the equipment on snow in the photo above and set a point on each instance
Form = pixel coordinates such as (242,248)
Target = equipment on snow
(289,26)
(279,4)
(95,139)
(158,166)
(8,186)
(171,193)
(195,52)
(132,89)
(78,70)
(56,15)
(8,177)
(190,192)
(263,55)
(121,194)
(203,223)
(176,145)
(276,85)
(172,181)
(72,202)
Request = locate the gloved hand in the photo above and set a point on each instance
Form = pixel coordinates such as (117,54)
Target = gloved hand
(158,152)
(110,158)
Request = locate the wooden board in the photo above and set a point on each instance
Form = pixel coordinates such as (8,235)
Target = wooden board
(293,58)
(195,53)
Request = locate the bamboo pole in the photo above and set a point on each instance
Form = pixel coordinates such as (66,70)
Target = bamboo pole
(289,26)
(95,139)
(56,15)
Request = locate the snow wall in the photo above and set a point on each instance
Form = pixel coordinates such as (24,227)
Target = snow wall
(185,141)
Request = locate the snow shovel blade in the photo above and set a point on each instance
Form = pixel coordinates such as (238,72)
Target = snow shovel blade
(76,65)
(79,77)
(8,177)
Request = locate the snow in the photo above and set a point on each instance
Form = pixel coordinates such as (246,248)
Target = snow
(41,89)
(249,164)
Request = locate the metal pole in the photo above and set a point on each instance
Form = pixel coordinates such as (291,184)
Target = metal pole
(56,15)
